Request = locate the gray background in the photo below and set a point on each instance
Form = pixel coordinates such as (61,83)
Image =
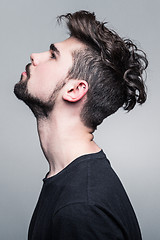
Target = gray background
(131,141)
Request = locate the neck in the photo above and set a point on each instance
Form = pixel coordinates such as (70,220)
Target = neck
(64,140)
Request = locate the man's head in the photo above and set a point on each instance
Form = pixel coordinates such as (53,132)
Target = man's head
(46,75)
(110,68)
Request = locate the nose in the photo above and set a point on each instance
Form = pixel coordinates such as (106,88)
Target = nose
(34,59)
(37,58)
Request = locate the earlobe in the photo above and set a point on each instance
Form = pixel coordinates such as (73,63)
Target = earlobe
(76,90)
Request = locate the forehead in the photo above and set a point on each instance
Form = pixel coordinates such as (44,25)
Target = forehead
(69,45)
(66,48)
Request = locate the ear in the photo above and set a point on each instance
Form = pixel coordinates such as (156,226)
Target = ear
(75,91)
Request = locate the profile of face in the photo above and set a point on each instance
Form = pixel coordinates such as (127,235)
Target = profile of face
(45,76)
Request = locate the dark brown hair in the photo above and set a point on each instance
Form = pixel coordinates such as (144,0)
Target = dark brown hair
(112,66)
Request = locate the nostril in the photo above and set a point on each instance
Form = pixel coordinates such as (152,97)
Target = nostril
(33,59)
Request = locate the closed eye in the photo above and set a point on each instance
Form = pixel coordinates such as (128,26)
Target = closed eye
(54,51)
(53,55)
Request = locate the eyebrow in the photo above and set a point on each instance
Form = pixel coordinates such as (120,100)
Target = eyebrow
(54,49)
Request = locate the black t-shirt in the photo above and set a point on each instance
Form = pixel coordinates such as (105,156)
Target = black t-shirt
(85,201)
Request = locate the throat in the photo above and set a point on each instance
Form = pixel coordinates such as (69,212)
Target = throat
(62,145)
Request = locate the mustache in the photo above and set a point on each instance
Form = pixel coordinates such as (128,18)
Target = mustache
(28,70)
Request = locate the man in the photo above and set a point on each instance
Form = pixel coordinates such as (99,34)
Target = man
(71,88)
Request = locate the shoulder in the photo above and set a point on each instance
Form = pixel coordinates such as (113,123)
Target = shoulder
(90,179)
(87,221)
(76,181)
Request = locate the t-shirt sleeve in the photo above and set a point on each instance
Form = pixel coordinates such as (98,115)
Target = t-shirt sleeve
(85,222)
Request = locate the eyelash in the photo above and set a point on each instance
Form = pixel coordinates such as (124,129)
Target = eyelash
(53,55)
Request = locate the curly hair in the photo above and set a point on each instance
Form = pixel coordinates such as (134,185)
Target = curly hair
(112,66)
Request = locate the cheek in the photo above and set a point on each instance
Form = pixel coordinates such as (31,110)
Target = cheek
(48,74)
(43,82)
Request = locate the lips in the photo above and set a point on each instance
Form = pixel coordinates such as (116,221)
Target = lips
(24,73)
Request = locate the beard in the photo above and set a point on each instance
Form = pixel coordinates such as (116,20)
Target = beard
(41,109)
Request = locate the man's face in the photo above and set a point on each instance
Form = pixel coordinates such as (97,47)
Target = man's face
(45,76)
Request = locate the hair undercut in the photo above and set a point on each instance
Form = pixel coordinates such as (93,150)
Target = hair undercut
(112,66)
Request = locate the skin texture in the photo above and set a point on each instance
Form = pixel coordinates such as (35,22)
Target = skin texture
(47,72)
(62,134)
